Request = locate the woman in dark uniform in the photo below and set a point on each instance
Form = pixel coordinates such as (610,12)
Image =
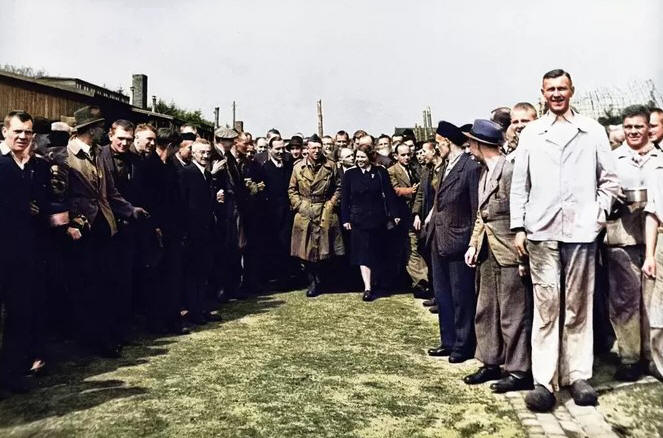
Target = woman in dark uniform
(367,206)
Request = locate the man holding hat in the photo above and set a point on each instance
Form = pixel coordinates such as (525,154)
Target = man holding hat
(93,202)
(503,313)
(453,214)
(562,188)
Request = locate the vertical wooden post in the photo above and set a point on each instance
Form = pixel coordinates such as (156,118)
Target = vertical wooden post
(320,123)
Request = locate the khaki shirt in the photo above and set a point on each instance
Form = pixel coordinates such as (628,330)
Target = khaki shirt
(564,180)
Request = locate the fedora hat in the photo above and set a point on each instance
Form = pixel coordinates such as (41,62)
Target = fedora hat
(486,132)
(87,116)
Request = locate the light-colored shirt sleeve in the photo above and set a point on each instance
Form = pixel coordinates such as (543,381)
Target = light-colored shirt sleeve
(519,184)
(607,181)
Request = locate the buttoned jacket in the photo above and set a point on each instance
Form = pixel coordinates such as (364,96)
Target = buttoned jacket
(493,219)
(563,186)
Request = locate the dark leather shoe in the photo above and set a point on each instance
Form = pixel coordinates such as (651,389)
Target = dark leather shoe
(433,309)
(653,371)
(429,303)
(312,290)
(483,375)
(368,296)
(583,394)
(198,320)
(439,351)
(628,372)
(540,399)
(213,317)
(458,358)
(511,383)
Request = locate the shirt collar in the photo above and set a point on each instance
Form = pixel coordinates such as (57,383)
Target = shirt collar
(276,163)
(550,118)
(4,149)
(201,168)
(76,145)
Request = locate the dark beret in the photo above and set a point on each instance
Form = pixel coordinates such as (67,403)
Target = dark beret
(451,131)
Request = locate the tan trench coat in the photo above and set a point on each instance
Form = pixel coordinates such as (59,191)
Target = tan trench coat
(316,231)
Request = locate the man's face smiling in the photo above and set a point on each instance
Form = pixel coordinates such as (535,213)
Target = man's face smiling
(558,92)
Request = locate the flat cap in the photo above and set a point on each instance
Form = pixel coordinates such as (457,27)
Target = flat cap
(225,133)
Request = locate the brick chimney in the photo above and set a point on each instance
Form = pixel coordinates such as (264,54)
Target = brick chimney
(139,91)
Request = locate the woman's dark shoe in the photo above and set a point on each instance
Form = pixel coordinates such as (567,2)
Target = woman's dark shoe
(540,399)
(368,296)
(439,351)
(483,375)
(511,383)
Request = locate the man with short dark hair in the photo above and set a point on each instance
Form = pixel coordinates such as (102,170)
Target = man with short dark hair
(341,140)
(522,113)
(94,201)
(295,146)
(329,148)
(383,149)
(405,184)
(625,240)
(562,189)
(22,208)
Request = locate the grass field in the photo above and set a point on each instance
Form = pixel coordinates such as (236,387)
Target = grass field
(280,365)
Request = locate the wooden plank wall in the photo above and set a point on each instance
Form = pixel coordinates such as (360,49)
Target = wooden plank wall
(37,103)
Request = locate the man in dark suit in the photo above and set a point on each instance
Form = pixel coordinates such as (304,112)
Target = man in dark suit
(22,205)
(384,152)
(452,216)
(278,216)
(198,198)
(94,202)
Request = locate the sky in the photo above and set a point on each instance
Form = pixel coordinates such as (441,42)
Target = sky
(374,64)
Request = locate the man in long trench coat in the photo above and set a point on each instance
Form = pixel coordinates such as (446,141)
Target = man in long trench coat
(315,192)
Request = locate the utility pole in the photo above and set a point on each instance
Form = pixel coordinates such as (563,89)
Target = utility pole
(216,117)
(320,124)
(234,113)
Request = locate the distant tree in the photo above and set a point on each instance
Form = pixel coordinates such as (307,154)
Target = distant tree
(23,71)
(610,117)
(193,117)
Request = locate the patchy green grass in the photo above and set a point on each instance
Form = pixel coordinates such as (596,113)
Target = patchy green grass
(280,365)
(635,411)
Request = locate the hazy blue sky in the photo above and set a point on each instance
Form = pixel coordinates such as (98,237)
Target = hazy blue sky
(375,64)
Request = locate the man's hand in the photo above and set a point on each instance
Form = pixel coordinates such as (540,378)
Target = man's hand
(649,267)
(521,243)
(220,197)
(471,257)
(523,270)
(417,223)
(397,220)
(139,213)
(74,233)
(428,218)
(159,234)
(218,165)
(347,226)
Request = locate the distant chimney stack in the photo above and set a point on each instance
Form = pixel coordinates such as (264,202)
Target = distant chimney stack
(139,91)
(154,104)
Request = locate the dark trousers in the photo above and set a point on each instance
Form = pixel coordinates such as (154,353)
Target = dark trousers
(91,269)
(453,282)
(160,286)
(124,245)
(199,256)
(16,289)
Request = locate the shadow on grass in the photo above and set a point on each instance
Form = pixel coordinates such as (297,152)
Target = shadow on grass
(71,386)
(254,305)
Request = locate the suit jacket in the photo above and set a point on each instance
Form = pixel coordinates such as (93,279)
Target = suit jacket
(454,212)
(198,198)
(400,181)
(425,196)
(277,210)
(493,220)
(362,202)
(386,162)
(91,188)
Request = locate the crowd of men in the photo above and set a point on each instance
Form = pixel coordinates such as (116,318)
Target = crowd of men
(531,237)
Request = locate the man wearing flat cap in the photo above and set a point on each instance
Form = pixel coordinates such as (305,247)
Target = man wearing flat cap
(503,312)
(452,217)
(94,202)
(563,187)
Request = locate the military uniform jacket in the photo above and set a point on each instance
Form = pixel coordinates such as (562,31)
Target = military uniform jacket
(314,196)
(493,221)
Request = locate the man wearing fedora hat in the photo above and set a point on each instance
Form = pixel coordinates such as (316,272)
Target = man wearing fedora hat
(452,217)
(93,202)
(562,189)
(503,314)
